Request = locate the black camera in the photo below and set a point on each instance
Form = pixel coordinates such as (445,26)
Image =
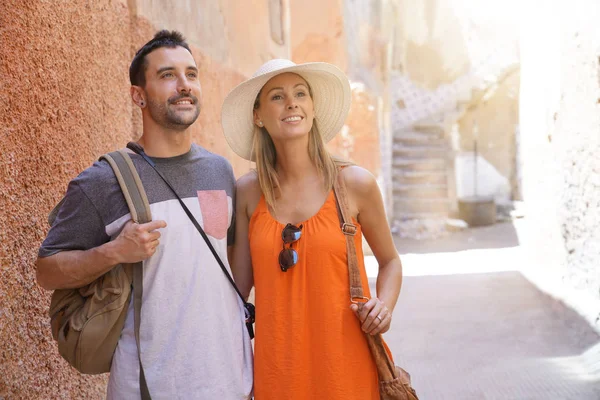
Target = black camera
(249,311)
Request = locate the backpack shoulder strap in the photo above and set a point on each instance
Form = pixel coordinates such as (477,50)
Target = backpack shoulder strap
(131,185)
(139,208)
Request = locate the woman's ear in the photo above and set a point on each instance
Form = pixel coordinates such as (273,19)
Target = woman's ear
(257,121)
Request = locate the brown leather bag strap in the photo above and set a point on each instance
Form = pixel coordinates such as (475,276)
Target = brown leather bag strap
(385,367)
(139,208)
(349,230)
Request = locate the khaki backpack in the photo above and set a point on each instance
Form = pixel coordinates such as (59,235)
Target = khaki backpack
(87,322)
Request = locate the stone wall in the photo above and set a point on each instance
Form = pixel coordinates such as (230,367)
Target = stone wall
(560,143)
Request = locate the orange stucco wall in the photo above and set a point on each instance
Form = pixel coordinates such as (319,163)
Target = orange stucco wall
(63,82)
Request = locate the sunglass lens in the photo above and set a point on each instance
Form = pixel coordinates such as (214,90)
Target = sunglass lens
(287,259)
(291,233)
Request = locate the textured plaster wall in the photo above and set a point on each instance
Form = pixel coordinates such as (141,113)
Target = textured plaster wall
(64,100)
(560,124)
(318,32)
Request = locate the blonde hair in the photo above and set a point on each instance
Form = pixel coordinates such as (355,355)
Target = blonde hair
(265,157)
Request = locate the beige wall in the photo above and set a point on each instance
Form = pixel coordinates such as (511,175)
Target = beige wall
(431,47)
(496,114)
(560,125)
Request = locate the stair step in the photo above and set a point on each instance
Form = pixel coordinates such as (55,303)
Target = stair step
(422,216)
(429,191)
(409,138)
(419,164)
(431,129)
(400,176)
(431,152)
(411,206)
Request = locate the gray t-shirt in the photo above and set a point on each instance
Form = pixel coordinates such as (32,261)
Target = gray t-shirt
(193,338)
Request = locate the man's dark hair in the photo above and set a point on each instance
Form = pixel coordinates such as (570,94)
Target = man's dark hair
(164,38)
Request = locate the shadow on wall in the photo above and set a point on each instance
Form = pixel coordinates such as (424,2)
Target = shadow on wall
(501,235)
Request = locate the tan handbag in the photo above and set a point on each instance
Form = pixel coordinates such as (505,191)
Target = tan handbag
(394,382)
(87,322)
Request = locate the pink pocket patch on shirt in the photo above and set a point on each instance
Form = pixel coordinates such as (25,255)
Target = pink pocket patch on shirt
(215,212)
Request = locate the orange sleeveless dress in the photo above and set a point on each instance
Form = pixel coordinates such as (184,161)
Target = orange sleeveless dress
(308,344)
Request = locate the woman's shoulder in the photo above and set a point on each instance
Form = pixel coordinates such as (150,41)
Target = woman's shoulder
(248,187)
(248,181)
(358,180)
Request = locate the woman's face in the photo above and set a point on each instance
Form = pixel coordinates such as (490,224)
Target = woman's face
(286,108)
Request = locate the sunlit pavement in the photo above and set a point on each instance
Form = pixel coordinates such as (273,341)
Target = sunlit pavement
(470,325)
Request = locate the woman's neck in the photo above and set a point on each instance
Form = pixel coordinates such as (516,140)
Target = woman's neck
(294,164)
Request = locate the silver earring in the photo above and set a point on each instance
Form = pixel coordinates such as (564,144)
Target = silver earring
(141,103)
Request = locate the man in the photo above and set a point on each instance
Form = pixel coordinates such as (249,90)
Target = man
(194,344)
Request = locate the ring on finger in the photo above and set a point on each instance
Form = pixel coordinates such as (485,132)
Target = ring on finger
(379,318)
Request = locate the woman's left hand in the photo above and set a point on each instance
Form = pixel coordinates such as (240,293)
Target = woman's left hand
(374,316)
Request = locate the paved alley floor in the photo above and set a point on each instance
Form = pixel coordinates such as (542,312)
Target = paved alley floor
(469,325)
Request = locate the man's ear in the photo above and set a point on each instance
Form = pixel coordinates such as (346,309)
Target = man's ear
(138,96)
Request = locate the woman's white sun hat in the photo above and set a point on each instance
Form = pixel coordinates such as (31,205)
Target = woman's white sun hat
(331,96)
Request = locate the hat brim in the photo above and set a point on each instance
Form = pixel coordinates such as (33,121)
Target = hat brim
(331,98)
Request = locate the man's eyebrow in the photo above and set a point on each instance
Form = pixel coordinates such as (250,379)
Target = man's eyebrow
(295,86)
(163,69)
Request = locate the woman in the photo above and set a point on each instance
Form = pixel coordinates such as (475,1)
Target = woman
(310,341)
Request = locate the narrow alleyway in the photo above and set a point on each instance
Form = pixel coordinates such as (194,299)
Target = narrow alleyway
(469,325)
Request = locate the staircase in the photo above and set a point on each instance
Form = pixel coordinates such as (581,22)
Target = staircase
(419,173)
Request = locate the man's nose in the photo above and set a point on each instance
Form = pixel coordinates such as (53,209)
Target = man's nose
(184,85)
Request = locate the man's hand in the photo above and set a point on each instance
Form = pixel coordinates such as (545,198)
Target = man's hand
(77,268)
(137,242)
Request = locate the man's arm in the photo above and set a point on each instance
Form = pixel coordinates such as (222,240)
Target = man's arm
(77,268)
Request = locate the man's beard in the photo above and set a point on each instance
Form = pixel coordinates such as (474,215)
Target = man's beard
(170,118)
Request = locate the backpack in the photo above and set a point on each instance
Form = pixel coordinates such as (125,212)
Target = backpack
(87,322)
